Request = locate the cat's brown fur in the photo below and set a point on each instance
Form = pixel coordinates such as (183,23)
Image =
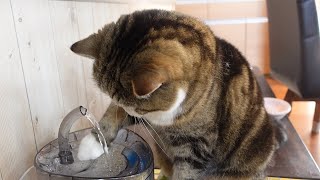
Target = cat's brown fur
(221,129)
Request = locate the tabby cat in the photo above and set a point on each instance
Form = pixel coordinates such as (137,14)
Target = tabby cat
(196,91)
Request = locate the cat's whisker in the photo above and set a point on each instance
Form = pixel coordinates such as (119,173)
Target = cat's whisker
(126,117)
(137,119)
(155,132)
(117,113)
(154,138)
(134,126)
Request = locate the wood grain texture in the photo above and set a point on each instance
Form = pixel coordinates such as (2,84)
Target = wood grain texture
(236,10)
(123,1)
(30,174)
(257,46)
(85,27)
(113,12)
(34,34)
(17,143)
(224,9)
(140,5)
(70,67)
(196,10)
(301,117)
(227,32)
(105,13)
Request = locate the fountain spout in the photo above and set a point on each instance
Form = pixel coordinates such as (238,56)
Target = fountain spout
(65,153)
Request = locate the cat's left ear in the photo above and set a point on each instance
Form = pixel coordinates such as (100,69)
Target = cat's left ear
(88,47)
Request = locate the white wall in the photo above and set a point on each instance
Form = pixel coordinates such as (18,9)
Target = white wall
(41,79)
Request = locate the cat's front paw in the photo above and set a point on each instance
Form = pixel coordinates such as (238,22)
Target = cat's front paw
(90,148)
(108,129)
(109,125)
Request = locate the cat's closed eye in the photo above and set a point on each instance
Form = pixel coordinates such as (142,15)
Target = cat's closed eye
(141,111)
(145,111)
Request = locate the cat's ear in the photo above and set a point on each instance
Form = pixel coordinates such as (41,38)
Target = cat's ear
(155,68)
(88,47)
(144,84)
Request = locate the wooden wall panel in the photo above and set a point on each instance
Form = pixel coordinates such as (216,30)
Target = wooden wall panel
(17,143)
(140,5)
(84,11)
(105,13)
(70,67)
(30,174)
(224,9)
(42,80)
(229,10)
(257,43)
(113,12)
(228,33)
(34,34)
(196,10)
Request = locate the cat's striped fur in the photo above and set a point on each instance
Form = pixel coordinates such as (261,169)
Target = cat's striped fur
(196,90)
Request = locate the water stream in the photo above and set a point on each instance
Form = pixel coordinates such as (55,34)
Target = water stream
(97,128)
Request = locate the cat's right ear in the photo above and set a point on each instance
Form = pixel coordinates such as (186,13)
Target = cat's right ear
(88,47)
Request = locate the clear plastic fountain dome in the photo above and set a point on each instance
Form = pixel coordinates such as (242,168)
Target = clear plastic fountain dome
(129,157)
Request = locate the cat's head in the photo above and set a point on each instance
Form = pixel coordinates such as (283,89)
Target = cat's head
(141,65)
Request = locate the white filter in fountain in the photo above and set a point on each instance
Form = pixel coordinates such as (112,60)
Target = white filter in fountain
(89,148)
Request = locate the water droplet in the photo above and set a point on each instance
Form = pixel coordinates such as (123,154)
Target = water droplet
(20,19)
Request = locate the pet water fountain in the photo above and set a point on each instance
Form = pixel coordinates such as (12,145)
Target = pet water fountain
(129,157)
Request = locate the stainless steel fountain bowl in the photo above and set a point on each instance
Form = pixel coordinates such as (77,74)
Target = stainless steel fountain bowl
(129,157)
